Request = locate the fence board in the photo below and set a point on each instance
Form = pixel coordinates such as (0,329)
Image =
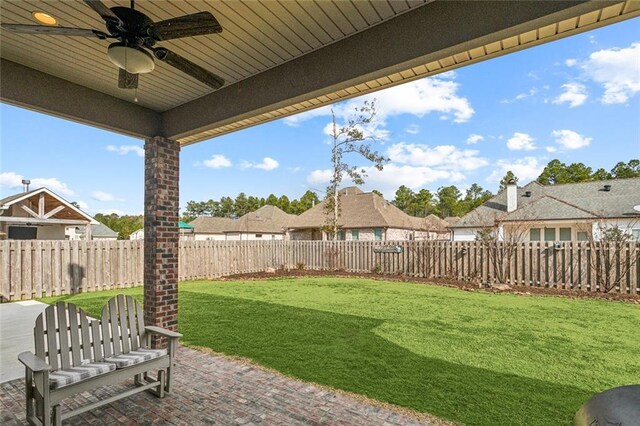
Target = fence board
(37,268)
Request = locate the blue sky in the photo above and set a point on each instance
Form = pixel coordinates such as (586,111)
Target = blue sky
(577,99)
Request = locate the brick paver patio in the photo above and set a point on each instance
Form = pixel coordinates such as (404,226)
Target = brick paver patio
(211,389)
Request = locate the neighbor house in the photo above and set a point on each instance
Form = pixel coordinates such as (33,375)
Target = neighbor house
(266,223)
(98,231)
(39,215)
(366,216)
(186,231)
(569,212)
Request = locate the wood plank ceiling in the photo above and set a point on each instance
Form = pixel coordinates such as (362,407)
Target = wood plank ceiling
(257,35)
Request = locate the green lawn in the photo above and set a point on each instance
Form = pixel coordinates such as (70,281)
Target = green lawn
(473,357)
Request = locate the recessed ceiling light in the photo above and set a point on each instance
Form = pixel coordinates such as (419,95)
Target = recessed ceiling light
(44,18)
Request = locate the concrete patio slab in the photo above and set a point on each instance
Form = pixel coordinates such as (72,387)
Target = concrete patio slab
(213,389)
(16,335)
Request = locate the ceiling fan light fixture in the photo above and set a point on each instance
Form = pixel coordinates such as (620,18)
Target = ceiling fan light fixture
(134,60)
(43,18)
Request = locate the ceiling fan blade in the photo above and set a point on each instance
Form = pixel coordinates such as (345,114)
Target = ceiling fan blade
(102,10)
(127,80)
(188,67)
(47,30)
(185,26)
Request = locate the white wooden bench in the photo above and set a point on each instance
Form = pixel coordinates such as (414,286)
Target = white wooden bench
(75,354)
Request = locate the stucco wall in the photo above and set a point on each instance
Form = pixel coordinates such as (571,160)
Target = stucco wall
(51,232)
(210,237)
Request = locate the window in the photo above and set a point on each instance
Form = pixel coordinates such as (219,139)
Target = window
(534,234)
(582,236)
(23,233)
(635,234)
(549,234)
(565,234)
(258,235)
(378,234)
(355,234)
(341,235)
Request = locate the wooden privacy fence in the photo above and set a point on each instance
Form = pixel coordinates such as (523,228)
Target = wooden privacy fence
(33,269)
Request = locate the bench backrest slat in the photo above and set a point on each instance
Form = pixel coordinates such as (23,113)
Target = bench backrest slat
(38,338)
(97,341)
(106,335)
(140,318)
(74,334)
(52,340)
(133,324)
(115,329)
(123,322)
(63,335)
(85,333)
(126,320)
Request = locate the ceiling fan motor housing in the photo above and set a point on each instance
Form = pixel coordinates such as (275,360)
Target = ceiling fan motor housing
(134,60)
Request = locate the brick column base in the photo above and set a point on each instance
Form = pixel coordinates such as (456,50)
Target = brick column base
(161,198)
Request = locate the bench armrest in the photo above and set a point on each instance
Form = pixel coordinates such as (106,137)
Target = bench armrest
(32,362)
(163,332)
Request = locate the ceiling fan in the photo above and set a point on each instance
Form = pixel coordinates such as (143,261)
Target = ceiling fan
(137,35)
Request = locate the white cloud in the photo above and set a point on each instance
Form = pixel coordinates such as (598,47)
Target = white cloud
(10,180)
(526,169)
(474,138)
(520,142)
(295,169)
(83,206)
(433,94)
(618,70)
(575,94)
(551,149)
(391,177)
(105,196)
(571,62)
(413,129)
(319,177)
(267,164)
(14,180)
(446,157)
(569,139)
(125,149)
(110,211)
(520,96)
(217,161)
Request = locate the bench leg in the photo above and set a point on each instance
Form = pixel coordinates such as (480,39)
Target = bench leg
(46,410)
(162,377)
(29,393)
(168,386)
(57,415)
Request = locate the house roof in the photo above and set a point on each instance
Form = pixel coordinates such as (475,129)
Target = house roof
(102,230)
(575,201)
(451,220)
(52,201)
(366,210)
(212,225)
(265,219)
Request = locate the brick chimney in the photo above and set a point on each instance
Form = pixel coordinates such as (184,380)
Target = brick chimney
(512,196)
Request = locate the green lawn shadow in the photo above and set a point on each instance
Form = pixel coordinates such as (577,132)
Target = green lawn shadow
(343,351)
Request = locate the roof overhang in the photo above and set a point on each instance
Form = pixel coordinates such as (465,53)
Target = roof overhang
(426,40)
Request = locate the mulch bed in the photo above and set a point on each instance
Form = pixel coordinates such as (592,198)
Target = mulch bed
(463,285)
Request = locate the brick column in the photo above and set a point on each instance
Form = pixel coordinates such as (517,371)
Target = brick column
(161,194)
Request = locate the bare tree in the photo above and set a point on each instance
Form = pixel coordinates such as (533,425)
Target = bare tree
(501,245)
(350,138)
(612,253)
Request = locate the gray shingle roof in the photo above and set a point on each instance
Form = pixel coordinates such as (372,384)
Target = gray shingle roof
(212,225)
(366,210)
(584,200)
(269,219)
(102,230)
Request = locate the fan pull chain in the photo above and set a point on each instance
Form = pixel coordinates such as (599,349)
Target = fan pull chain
(135,96)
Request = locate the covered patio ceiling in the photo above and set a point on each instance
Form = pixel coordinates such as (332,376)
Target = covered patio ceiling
(278,58)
